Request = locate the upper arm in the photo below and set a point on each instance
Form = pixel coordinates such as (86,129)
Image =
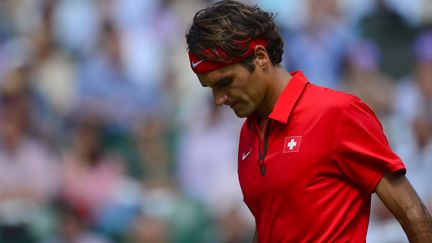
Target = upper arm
(396,192)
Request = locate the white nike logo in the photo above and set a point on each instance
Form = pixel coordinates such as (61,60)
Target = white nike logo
(195,64)
(245,155)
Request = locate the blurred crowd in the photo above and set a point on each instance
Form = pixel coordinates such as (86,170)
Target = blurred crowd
(107,136)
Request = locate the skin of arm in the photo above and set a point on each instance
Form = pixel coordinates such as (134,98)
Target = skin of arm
(398,195)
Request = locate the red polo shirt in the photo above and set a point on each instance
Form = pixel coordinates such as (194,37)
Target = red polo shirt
(326,152)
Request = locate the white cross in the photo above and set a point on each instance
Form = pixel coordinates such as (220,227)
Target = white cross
(292,144)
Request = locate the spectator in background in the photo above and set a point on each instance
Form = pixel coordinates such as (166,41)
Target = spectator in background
(317,46)
(393,35)
(363,77)
(53,71)
(152,147)
(94,182)
(413,109)
(415,90)
(211,177)
(104,85)
(412,120)
(147,229)
(164,207)
(72,228)
(28,174)
(68,19)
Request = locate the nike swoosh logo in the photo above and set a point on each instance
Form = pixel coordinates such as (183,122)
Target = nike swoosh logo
(195,64)
(245,155)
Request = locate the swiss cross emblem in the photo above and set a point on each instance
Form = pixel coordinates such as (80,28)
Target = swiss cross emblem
(292,144)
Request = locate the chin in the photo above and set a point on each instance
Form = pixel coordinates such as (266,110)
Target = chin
(242,113)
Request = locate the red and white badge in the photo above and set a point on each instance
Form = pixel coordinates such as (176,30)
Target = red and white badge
(292,144)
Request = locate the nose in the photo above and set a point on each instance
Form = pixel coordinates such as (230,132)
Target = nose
(219,98)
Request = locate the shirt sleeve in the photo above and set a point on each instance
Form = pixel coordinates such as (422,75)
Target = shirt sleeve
(361,149)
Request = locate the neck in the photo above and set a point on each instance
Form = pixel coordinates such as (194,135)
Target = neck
(276,82)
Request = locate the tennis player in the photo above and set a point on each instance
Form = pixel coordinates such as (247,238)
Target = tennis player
(309,157)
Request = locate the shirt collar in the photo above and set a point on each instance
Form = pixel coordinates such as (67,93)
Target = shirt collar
(287,99)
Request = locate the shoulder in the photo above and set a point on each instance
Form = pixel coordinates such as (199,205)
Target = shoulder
(329,101)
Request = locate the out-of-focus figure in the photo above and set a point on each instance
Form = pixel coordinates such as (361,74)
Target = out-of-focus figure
(28,174)
(148,229)
(94,182)
(413,107)
(317,46)
(105,88)
(411,136)
(53,70)
(363,77)
(393,35)
(208,128)
(211,177)
(71,227)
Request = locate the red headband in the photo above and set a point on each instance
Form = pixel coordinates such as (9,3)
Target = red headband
(204,66)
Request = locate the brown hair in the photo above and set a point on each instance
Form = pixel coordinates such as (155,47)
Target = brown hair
(225,23)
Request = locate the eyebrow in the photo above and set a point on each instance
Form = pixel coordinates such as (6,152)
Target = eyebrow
(218,82)
(222,81)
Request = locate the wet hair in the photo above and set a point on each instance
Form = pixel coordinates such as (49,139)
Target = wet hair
(225,23)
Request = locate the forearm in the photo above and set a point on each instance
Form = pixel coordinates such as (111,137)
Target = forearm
(417,224)
(404,203)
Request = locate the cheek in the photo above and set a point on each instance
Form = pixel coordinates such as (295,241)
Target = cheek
(246,89)
(244,94)
(254,93)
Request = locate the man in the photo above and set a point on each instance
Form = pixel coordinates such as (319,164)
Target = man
(309,157)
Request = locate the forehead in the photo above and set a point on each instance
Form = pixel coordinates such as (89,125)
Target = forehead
(211,78)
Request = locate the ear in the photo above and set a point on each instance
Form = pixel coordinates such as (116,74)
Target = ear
(262,58)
